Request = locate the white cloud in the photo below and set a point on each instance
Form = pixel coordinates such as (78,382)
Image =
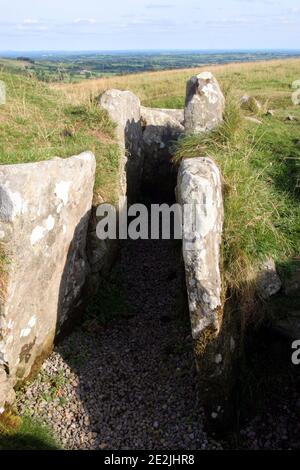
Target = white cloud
(85,21)
(157,6)
(30,21)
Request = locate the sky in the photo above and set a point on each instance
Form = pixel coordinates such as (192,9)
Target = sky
(148,24)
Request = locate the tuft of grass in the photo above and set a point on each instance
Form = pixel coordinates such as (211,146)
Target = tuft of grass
(55,386)
(253,106)
(92,116)
(262,218)
(227,133)
(24,433)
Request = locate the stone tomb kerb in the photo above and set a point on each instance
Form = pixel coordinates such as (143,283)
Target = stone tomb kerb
(44,226)
(214,329)
(44,214)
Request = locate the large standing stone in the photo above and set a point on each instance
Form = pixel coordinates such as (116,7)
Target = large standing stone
(124,110)
(199,191)
(204,105)
(44,213)
(199,186)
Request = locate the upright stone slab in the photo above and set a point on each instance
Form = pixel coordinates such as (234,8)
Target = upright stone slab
(160,130)
(44,213)
(124,110)
(204,104)
(199,191)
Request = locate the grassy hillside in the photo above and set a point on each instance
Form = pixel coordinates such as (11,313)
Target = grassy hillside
(38,123)
(260,163)
(12,65)
(267,80)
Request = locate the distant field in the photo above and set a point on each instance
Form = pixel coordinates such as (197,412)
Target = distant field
(72,67)
(269,80)
(12,64)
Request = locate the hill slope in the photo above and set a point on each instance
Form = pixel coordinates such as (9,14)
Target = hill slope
(268,80)
(38,123)
(260,162)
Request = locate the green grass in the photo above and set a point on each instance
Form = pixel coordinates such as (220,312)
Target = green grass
(38,123)
(260,165)
(25,434)
(55,386)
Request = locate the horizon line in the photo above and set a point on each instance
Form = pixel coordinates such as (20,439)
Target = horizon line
(149,50)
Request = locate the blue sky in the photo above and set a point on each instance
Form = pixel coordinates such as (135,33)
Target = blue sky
(149,24)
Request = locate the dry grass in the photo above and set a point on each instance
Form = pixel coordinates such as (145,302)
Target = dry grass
(267,80)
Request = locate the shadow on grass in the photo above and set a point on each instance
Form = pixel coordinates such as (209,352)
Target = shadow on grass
(21,442)
(25,434)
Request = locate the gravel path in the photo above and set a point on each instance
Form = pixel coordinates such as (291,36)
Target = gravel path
(131,384)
